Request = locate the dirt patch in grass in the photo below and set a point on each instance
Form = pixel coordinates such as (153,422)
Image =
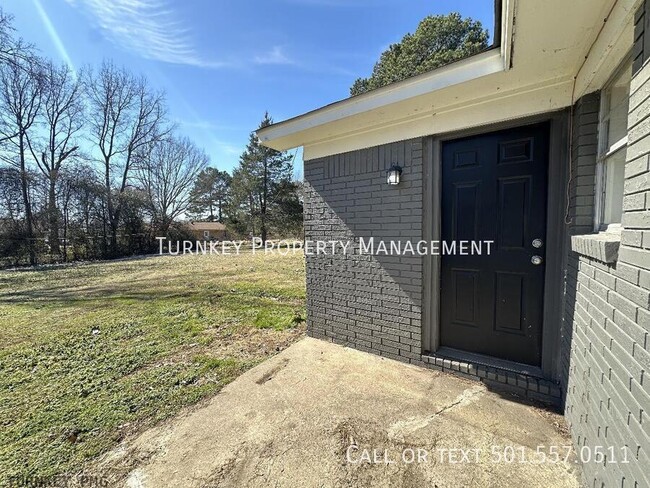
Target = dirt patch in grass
(91,354)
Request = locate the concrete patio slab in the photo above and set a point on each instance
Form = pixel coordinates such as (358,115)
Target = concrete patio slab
(322,415)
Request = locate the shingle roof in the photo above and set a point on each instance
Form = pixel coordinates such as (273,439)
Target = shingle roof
(206,226)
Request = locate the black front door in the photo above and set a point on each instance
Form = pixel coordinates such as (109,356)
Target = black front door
(494,189)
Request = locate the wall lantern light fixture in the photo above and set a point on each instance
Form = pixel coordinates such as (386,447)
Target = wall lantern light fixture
(393,175)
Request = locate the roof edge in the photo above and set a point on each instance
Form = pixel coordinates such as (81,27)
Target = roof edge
(492,60)
(482,64)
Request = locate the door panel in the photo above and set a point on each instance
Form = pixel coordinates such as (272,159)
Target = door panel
(509,297)
(466,212)
(514,195)
(466,303)
(494,188)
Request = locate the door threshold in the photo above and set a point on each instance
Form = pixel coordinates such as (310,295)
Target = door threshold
(489,361)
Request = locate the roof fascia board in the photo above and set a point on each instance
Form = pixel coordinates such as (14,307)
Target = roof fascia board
(514,105)
(476,66)
(507,32)
(609,48)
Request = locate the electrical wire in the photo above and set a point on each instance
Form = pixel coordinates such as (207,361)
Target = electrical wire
(567,219)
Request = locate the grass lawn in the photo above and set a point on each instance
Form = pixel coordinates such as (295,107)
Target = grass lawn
(92,353)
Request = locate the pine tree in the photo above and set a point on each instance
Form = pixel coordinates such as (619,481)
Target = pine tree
(438,40)
(259,180)
(210,194)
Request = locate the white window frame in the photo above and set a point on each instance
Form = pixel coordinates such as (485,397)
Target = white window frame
(605,151)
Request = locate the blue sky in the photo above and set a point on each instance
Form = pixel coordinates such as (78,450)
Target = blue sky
(223,63)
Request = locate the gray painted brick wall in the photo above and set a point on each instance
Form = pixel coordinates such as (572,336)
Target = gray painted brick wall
(606,348)
(372,303)
(640,38)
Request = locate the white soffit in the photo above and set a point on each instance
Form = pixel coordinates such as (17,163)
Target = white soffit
(609,49)
(547,43)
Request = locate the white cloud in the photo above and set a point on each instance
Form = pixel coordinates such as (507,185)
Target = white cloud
(207,125)
(145,27)
(335,3)
(274,56)
(230,149)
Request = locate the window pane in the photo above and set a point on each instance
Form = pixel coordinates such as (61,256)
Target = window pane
(618,95)
(614,181)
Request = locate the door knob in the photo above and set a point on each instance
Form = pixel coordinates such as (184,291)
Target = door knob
(537,243)
(536,260)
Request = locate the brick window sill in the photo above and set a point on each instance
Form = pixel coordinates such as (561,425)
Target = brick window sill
(602,246)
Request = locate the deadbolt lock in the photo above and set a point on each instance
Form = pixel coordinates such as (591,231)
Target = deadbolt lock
(537,243)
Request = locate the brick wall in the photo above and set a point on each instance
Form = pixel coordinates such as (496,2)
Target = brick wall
(580,212)
(641,49)
(606,355)
(372,303)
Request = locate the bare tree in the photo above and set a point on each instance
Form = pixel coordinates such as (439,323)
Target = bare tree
(84,211)
(21,92)
(6,34)
(125,117)
(167,174)
(11,199)
(62,115)
(11,48)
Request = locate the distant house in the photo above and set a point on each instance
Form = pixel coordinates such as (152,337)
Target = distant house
(208,231)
